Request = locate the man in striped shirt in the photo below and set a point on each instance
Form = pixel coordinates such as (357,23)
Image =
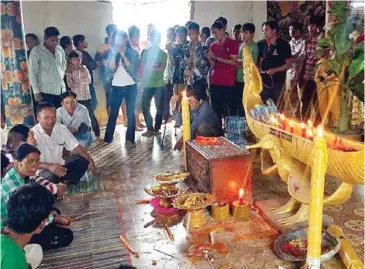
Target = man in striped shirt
(47,66)
(308,85)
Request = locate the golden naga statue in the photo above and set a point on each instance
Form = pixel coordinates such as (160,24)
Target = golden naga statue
(292,156)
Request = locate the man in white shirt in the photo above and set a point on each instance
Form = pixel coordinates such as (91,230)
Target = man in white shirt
(52,138)
(75,117)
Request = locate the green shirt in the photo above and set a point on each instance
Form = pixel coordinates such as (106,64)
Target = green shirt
(254,49)
(12,255)
(151,57)
(11,181)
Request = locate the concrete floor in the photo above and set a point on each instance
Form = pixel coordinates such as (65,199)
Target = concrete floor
(126,171)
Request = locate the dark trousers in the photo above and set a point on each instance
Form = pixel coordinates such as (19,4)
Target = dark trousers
(309,99)
(76,166)
(94,99)
(117,94)
(239,95)
(54,100)
(272,89)
(94,121)
(166,100)
(221,97)
(148,94)
(53,237)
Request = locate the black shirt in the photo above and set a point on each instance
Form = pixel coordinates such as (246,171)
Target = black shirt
(274,55)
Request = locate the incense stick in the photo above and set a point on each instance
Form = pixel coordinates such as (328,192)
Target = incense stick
(169,255)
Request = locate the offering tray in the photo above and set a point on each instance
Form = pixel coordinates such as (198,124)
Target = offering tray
(165,193)
(194,203)
(169,178)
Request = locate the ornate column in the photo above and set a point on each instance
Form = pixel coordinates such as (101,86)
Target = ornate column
(15,90)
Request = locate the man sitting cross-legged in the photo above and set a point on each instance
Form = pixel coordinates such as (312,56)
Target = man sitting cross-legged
(26,163)
(204,120)
(29,208)
(52,138)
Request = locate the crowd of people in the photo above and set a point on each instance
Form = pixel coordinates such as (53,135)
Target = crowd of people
(205,62)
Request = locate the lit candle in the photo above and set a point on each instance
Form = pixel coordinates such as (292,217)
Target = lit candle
(241,192)
(186,122)
(302,127)
(319,168)
(291,126)
(282,122)
(310,134)
(310,125)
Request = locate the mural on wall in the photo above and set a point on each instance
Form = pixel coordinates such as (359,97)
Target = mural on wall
(285,12)
(15,91)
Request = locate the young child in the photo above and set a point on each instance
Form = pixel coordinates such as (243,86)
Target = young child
(78,79)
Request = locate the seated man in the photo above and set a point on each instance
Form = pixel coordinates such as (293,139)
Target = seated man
(29,208)
(52,138)
(204,121)
(26,163)
(75,117)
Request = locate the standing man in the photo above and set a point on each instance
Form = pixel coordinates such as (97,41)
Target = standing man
(196,64)
(47,66)
(308,85)
(248,32)
(67,45)
(275,59)
(222,57)
(52,138)
(31,40)
(81,44)
(293,75)
(153,65)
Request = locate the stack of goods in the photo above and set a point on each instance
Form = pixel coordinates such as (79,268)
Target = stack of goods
(235,129)
(263,112)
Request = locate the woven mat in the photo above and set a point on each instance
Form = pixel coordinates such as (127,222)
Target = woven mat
(96,226)
(89,183)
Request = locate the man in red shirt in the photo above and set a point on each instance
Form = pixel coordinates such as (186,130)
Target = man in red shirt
(222,58)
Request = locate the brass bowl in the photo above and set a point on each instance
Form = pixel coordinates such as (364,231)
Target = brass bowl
(164,192)
(170,178)
(194,201)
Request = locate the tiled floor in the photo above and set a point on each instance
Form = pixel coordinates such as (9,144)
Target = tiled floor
(125,172)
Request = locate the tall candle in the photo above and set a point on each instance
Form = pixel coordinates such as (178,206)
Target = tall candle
(240,201)
(186,122)
(310,125)
(282,122)
(291,126)
(319,168)
(303,129)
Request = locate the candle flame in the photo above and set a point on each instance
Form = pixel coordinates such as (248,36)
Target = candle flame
(302,125)
(310,132)
(291,124)
(320,131)
(241,192)
(310,123)
(282,116)
(184,94)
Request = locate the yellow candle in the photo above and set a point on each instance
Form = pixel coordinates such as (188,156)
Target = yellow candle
(319,167)
(186,122)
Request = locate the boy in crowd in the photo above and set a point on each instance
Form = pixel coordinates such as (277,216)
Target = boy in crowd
(28,209)
(293,74)
(275,59)
(308,85)
(204,35)
(31,40)
(78,79)
(248,32)
(81,46)
(195,64)
(153,65)
(75,117)
(236,33)
(223,59)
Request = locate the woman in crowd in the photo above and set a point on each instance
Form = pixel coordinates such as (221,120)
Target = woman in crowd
(123,64)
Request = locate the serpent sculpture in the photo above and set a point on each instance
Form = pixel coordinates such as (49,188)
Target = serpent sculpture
(292,157)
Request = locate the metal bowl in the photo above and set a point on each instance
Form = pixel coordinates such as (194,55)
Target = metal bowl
(328,240)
